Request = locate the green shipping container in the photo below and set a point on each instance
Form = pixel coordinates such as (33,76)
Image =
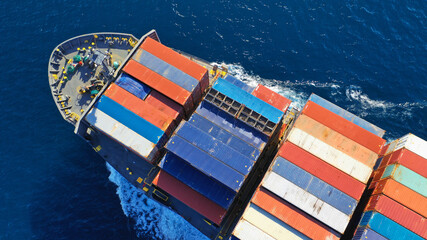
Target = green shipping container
(407,177)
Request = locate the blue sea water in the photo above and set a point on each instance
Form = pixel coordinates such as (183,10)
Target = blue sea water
(369,57)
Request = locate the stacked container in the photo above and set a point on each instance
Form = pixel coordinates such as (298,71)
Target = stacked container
(317,178)
(211,155)
(398,207)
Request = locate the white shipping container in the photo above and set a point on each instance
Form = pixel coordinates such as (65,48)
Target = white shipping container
(121,133)
(306,202)
(336,158)
(270,224)
(247,231)
(414,144)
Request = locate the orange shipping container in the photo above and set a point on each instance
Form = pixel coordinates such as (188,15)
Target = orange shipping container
(292,216)
(343,126)
(403,195)
(271,97)
(336,140)
(161,84)
(166,105)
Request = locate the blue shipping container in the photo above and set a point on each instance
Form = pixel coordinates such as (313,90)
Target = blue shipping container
(133,86)
(315,186)
(271,113)
(238,83)
(235,126)
(387,227)
(166,70)
(205,163)
(197,180)
(130,119)
(215,148)
(347,115)
(364,233)
(224,136)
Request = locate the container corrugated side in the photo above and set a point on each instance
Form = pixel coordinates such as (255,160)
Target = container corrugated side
(306,202)
(235,81)
(121,133)
(364,233)
(322,170)
(133,86)
(407,177)
(398,213)
(271,113)
(161,84)
(387,227)
(224,136)
(177,60)
(205,185)
(141,108)
(336,140)
(130,120)
(404,195)
(414,144)
(293,216)
(343,126)
(189,197)
(270,224)
(215,148)
(330,155)
(205,163)
(408,159)
(347,115)
(315,186)
(166,105)
(235,126)
(271,97)
(245,230)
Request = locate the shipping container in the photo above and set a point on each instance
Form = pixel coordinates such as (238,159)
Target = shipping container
(315,186)
(271,113)
(207,186)
(205,163)
(343,126)
(215,148)
(133,86)
(161,84)
(407,177)
(140,108)
(347,115)
(322,170)
(271,97)
(270,224)
(336,140)
(365,233)
(293,216)
(166,105)
(330,155)
(177,60)
(387,227)
(412,143)
(235,126)
(238,83)
(130,120)
(404,195)
(122,134)
(376,175)
(306,202)
(189,197)
(245,230)
(398,213)
(224,136)
(408,159)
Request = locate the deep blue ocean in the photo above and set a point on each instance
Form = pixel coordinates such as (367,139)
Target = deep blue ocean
(369,57)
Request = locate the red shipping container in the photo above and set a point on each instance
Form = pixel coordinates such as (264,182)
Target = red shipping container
(141,108)
(161,84)
(376,176)
(166,105)
(398,213)
(177,60)
(271,97)
(292,216)
(189,197)
(402,194)
(322,170)
(408,159)
(343,126)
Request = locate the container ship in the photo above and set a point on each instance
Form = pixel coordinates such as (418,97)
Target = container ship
(236,162)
